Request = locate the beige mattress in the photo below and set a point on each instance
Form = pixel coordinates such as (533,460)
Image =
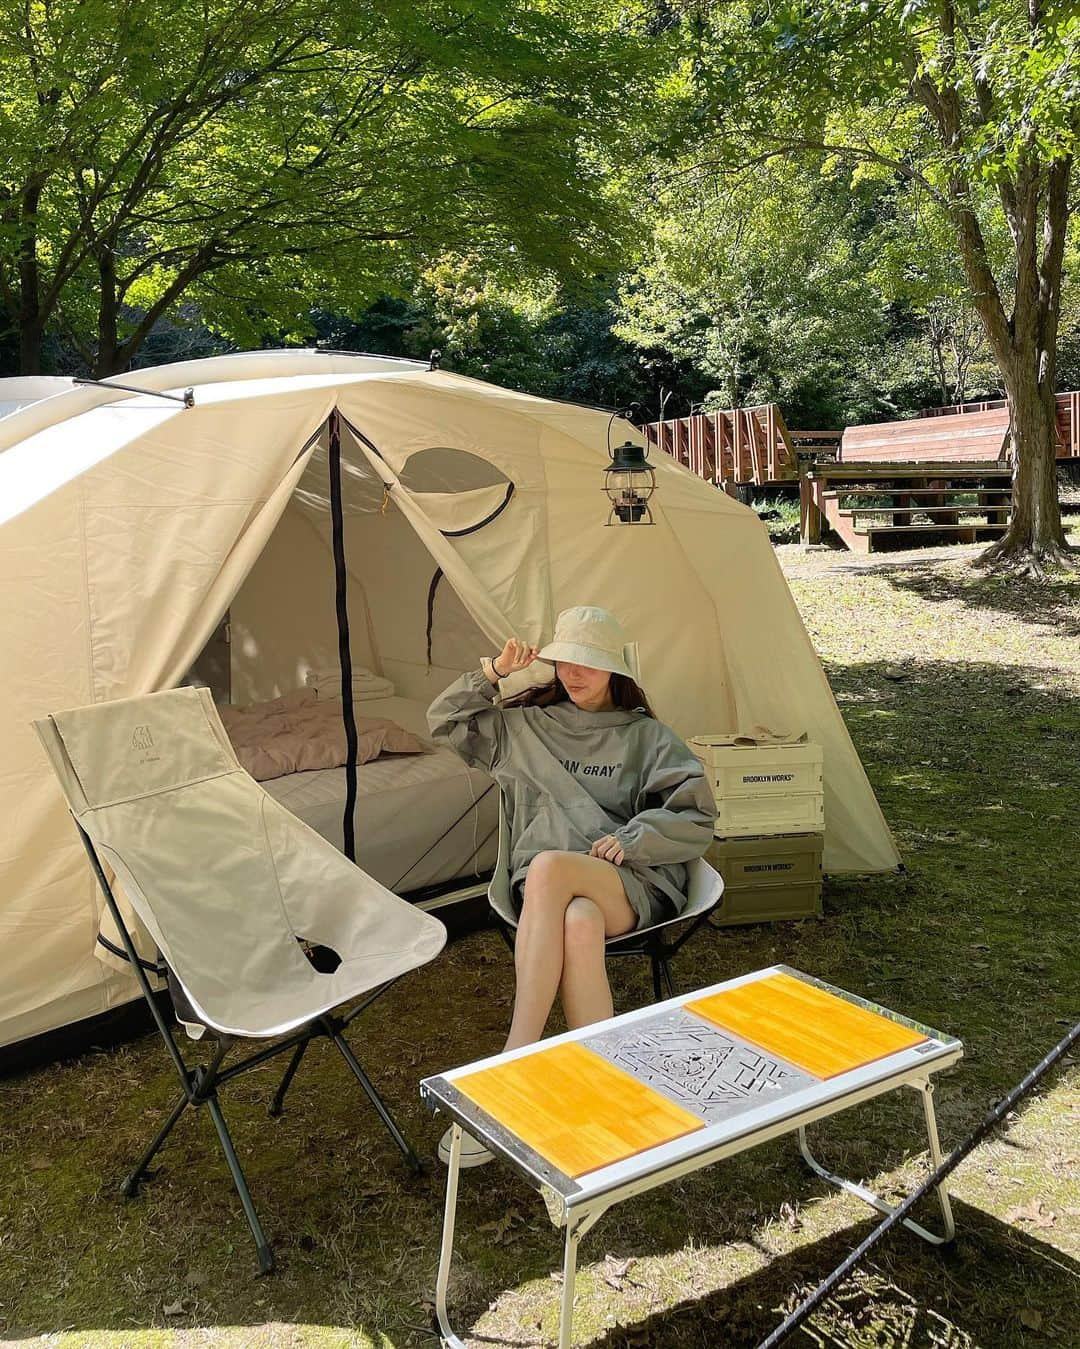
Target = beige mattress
(421,819)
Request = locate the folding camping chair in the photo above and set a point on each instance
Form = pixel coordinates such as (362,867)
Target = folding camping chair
(705,891)
(228,884)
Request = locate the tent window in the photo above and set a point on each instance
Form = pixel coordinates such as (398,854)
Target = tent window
(441,469)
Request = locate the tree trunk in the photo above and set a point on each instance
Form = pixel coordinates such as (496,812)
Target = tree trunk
(1035,538)
(1025,348)
(108,316)
(31,323)
(935,334)
(29,348)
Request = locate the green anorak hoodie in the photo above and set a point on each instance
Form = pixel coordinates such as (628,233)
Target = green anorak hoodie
(569,777)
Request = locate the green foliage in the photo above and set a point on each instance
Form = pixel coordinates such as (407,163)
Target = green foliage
(855,76)
(538,339)
(837,293)
(533,337)
(975,101)
(805,284)
(255,158)
(761,285)
(969,106)
(620,202)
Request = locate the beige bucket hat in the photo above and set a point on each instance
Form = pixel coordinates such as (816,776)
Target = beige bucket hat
(587,635)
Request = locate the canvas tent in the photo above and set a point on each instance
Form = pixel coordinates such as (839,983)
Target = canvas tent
(20,393)
(130,525)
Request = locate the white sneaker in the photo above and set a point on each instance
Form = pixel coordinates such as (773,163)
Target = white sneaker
(472,1152)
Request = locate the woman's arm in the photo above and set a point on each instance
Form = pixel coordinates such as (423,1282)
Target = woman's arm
(464,716)
(677,825)
(465,719)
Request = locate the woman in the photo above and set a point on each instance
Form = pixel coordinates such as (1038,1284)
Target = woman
(605,806)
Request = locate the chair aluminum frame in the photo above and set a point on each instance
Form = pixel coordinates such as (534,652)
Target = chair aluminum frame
(199,1084)
(648,941)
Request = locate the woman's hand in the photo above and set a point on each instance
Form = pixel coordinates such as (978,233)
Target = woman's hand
(514,656)
(609,848)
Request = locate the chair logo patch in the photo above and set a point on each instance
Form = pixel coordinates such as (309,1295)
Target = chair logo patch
(141,738)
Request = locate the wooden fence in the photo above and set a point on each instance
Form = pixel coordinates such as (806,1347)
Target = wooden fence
(1068,419)
(735,446)
(977,436)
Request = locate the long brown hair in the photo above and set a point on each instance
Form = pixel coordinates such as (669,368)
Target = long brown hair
(626,695)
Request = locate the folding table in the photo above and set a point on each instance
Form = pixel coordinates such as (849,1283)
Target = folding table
(600,1114)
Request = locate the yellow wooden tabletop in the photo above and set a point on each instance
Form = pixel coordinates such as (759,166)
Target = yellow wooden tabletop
(575,1108)
(809,1027)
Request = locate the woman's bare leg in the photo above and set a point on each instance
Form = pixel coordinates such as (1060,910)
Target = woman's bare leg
(584,989)
(552,881)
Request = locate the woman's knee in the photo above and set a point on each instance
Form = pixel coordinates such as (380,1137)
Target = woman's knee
(583,928)
(549,871)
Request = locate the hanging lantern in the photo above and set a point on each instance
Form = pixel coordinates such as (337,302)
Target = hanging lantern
(629,483)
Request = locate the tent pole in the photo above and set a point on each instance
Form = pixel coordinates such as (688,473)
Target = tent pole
(344,649)
(187,398)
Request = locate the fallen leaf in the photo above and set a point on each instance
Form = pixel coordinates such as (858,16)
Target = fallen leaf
(615,1272)
(500,1229)
(1034,1212)
(1032,1318)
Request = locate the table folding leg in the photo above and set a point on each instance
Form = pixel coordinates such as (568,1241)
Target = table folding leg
(926,1090)
(576,1227)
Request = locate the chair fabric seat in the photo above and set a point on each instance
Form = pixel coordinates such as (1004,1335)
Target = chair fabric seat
(223,878)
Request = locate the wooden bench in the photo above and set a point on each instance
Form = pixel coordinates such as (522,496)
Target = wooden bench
(848,497)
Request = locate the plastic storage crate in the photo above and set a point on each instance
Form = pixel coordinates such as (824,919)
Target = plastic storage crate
(763,789)
(768,878)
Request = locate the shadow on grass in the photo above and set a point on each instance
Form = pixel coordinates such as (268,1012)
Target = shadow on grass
(904,1293)
(1053,602)
(1050,603)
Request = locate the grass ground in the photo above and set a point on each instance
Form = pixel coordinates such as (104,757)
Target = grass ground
(781,517)
(962,694)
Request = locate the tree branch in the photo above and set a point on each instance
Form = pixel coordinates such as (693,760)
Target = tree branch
(1055,230)
(199,263)
(785,145)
